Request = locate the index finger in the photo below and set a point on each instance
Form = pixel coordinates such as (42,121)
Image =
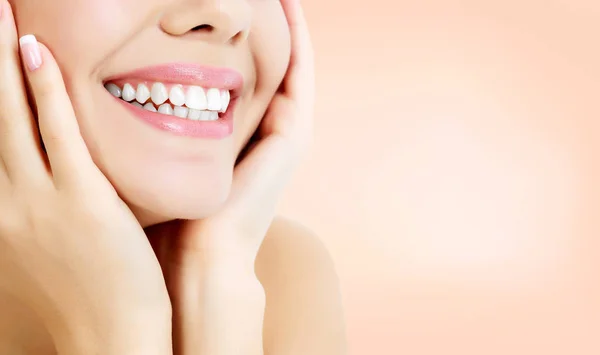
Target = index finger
(19,137)
(299,82)
(68,155)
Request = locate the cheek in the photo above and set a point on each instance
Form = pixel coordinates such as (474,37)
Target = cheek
(270,45)
(80,43)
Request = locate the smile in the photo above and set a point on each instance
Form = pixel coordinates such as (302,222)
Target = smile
(192,102)
(186,100)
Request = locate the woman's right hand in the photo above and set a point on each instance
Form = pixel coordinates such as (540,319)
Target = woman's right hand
(69,246)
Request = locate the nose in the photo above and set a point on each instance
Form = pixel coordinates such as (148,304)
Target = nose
(217,21)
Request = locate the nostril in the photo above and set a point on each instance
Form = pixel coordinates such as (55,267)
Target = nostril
(206,28)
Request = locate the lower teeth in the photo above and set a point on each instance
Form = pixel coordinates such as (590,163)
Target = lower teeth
(179,111)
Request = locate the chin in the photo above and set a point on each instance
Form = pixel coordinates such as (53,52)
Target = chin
(189,193)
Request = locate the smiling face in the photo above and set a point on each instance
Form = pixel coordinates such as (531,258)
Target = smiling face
(197,55)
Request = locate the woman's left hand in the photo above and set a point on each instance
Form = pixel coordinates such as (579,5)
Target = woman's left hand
(218,302)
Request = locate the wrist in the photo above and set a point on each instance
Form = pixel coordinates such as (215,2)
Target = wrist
(234,285)
(235,275)
(234,304)
(233,261)
(125,332)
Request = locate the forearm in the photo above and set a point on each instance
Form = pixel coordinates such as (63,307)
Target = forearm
(122,334)
(229,305)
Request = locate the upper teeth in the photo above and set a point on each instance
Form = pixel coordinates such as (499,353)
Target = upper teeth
(194,98)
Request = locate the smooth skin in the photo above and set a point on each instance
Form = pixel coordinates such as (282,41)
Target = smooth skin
(77,269)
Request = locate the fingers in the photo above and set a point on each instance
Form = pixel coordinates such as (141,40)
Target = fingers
(260,179)
(20,148)
(299,82)
(19,139)
(286,128)
(68,155)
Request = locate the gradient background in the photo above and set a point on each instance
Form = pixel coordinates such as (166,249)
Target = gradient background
(454,176)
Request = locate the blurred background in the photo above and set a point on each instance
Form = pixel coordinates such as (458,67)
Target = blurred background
(455,173)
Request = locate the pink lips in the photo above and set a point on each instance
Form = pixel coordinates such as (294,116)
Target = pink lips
(187,74)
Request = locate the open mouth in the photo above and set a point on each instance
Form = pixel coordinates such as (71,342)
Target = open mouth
(188,102)
(181,98)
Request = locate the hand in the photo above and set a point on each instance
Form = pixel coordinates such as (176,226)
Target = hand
(69,247)
(209,264)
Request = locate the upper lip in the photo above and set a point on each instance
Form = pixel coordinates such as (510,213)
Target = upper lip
(188,74)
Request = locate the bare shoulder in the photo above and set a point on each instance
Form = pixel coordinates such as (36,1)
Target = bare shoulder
(296,248)
(304,309)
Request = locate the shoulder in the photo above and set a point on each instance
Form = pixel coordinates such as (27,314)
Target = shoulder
(304,308)
(294,246)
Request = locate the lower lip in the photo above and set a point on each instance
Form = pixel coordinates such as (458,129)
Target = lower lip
(219,129)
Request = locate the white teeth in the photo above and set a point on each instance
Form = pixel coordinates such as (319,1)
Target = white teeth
(166,109)
(149,107)
(177,96)
(208,116)
(214,99)
(114,90)
(194,114)
(159,94)
(205,116)
(181,112)
(200,104)
(225,99)
(143,94)
(128,93)
(196,98)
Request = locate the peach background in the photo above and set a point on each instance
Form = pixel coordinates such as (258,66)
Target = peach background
(455,171)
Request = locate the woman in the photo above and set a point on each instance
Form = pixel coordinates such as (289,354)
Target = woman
(126,229)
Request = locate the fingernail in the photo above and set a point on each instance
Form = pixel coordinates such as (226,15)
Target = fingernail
(30,51)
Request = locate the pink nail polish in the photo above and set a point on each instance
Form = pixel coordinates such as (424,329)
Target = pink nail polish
(30,51)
